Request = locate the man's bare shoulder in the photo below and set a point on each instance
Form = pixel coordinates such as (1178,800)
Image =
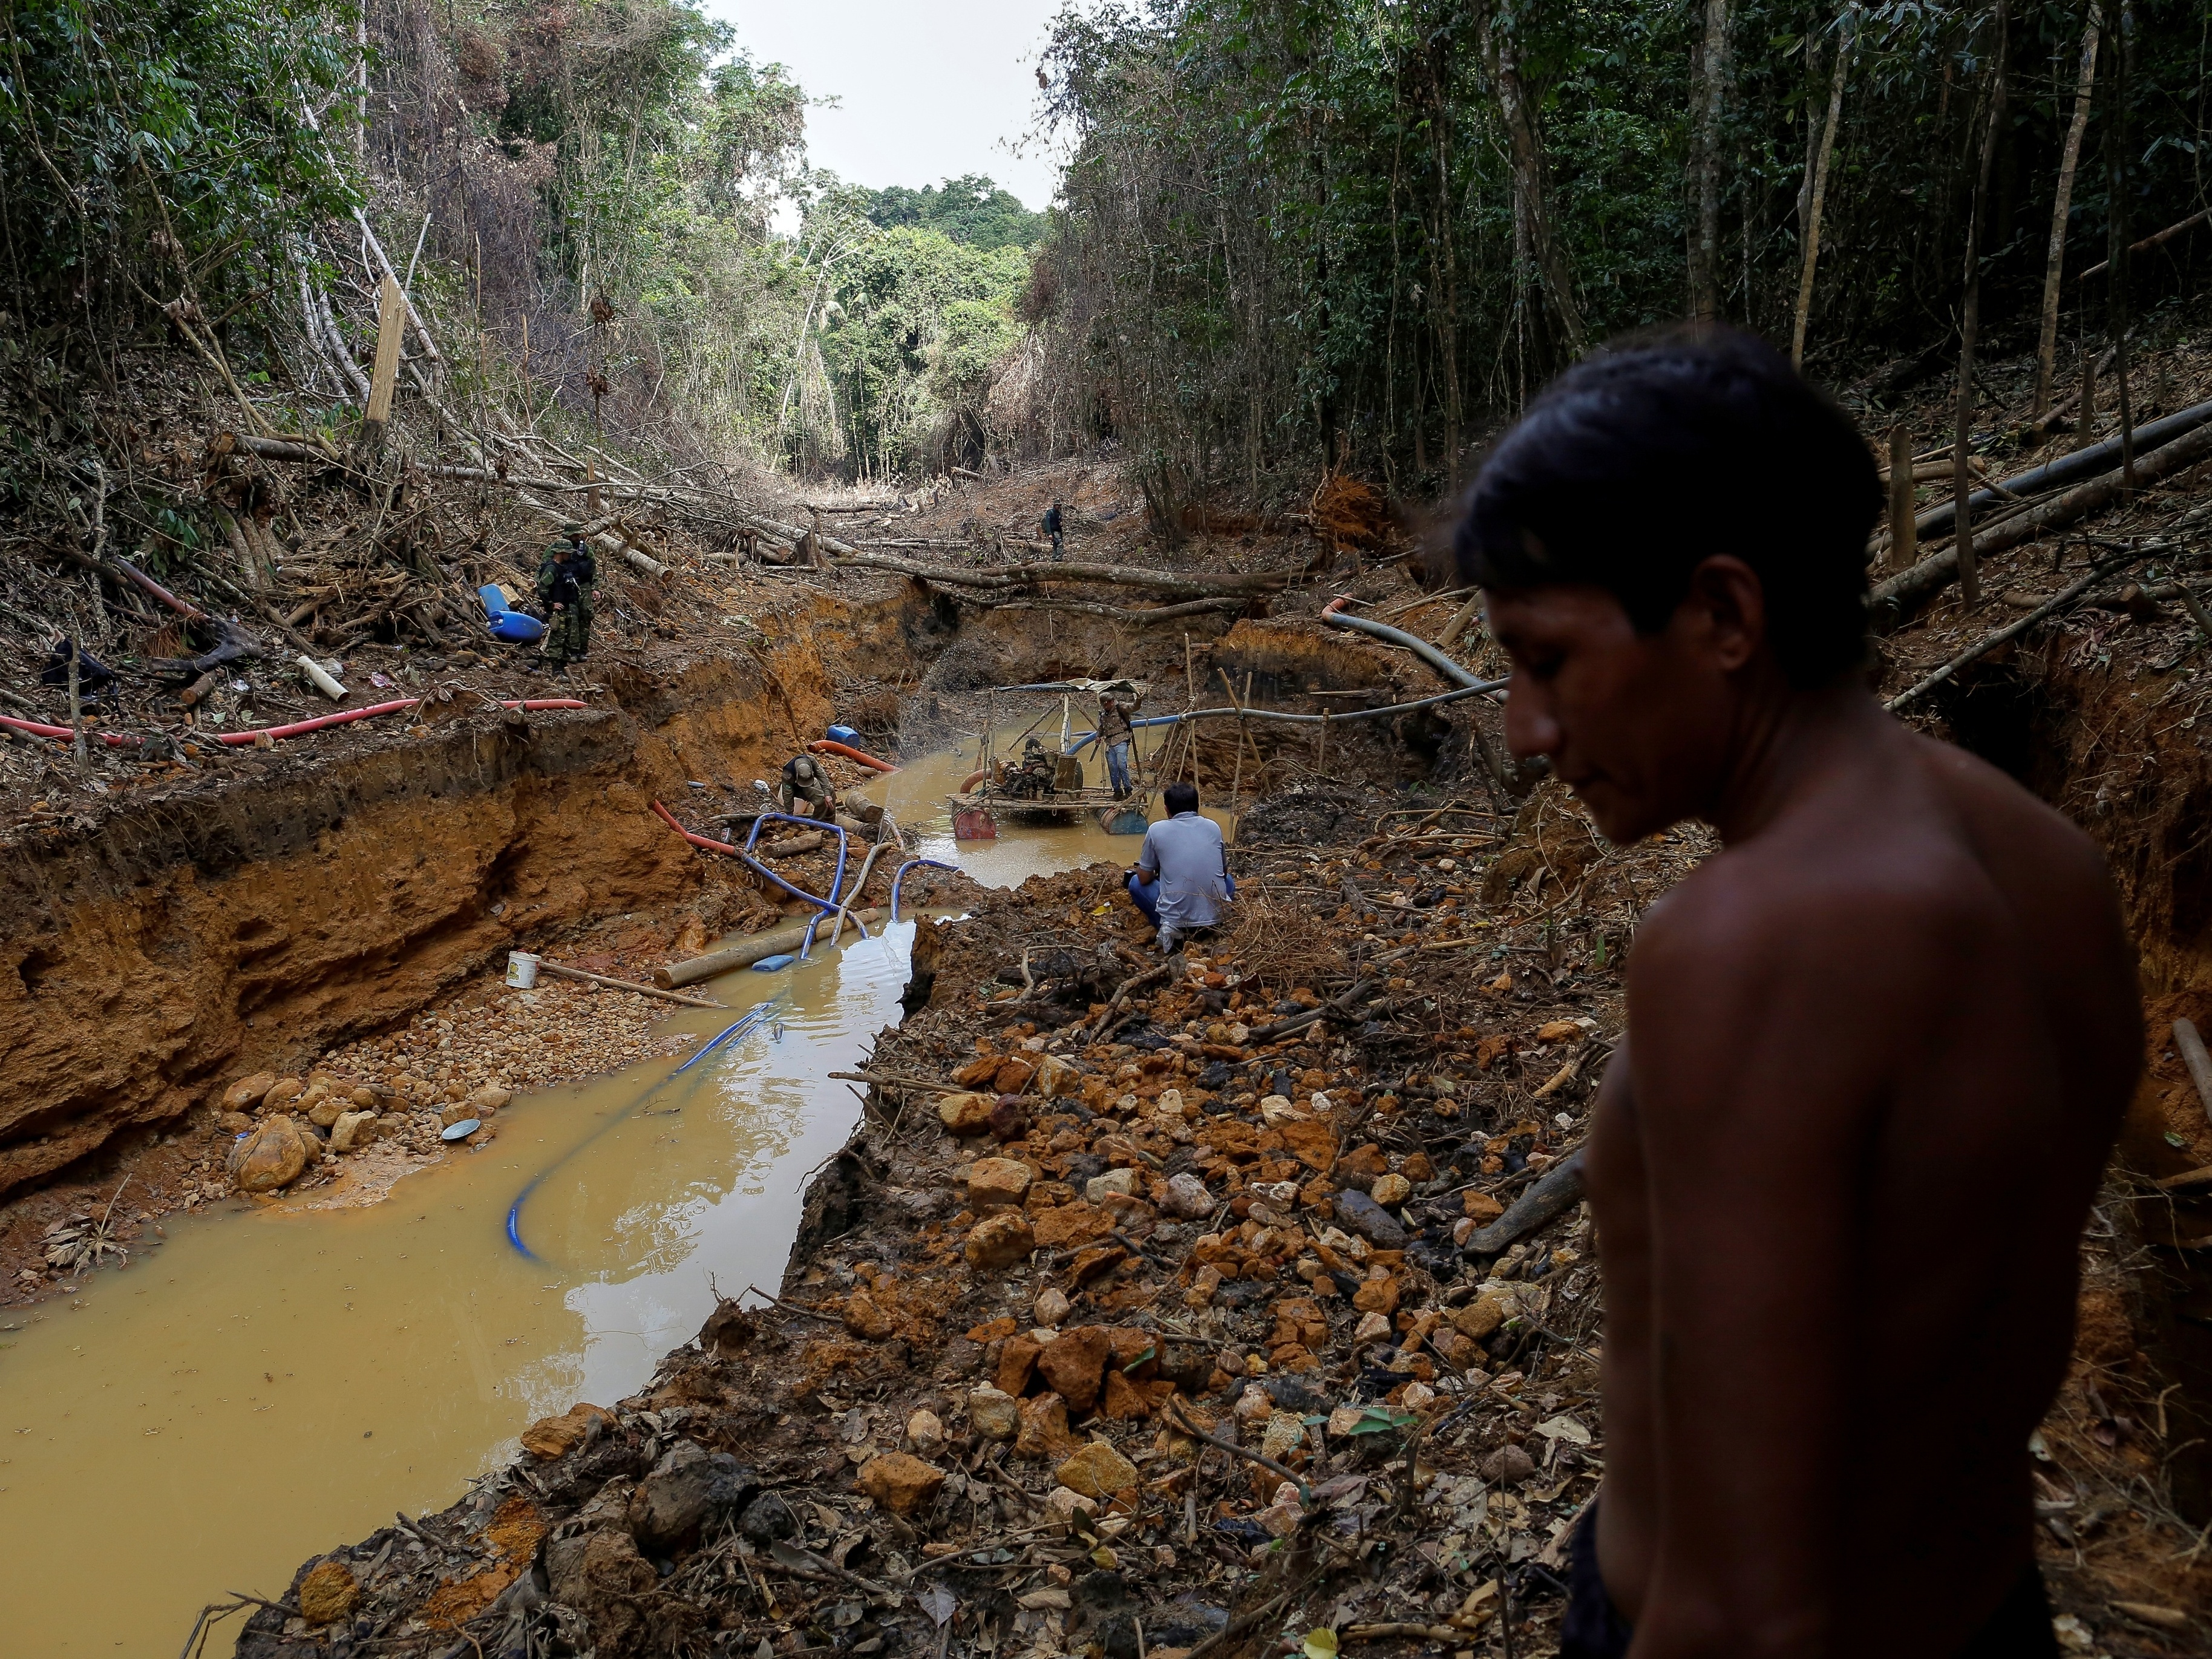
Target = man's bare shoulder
(2011,830)
(1792,905)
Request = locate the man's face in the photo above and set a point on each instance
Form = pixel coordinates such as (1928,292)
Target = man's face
(1638,725)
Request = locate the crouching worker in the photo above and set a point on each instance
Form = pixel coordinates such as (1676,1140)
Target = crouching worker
(1181,879)
(805,779)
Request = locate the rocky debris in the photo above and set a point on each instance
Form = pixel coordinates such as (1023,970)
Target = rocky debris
(269,1157)
(688,1487)
(465,1060)
(557,1437)
(1222,1352)
(1007,1409)
(901,1484)
(482,1049)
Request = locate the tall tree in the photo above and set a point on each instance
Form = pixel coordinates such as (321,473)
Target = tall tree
(1503,62)
(1846,38)
(2046,346)
(1712,75)
(2121,23)
(1970,320)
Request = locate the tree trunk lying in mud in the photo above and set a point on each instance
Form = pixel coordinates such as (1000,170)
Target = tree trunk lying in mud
(1117,613)
(744,955)
(1892,598)
(1023,576)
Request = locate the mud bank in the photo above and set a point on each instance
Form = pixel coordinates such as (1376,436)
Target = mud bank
(162,947)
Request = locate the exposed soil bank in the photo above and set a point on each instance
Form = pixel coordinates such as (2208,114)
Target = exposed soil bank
(155,952)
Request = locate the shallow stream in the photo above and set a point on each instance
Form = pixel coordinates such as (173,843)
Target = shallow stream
(269,1383)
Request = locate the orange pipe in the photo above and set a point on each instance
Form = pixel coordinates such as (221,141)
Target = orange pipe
(825,746)
(669,818)
(320,722)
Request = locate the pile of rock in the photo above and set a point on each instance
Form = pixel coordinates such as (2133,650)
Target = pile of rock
(487,1036)
(1133,1340)
(284,1128)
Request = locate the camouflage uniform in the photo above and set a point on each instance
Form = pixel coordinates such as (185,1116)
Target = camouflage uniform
(566,626)
(568,635)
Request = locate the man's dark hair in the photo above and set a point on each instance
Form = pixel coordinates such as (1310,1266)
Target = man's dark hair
(1182,798)
(1642,461)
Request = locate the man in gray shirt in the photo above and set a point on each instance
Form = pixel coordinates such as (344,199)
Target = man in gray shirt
(1181,879)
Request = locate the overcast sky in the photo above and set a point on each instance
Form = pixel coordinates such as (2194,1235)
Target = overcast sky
(926,92)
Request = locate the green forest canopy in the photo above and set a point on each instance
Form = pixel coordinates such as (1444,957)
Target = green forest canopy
(971,210)
(1358,233)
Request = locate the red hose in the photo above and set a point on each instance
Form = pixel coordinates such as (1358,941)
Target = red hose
(824,746)
(318,723)
(62,731)
(297,727)
(669,818)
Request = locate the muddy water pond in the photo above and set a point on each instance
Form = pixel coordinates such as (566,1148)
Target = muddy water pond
(269,1383)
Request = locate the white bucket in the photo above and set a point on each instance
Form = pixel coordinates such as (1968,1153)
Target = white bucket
(521,970)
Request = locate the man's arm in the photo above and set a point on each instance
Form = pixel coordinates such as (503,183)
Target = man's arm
(1148,862)
(1768,1030)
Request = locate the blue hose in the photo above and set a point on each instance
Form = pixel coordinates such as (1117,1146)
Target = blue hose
(750,1021)
(836,881)
(899,876)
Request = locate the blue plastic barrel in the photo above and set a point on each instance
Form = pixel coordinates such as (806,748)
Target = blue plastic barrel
(770,964)
(844,734)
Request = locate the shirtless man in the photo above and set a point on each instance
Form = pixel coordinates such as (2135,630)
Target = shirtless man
(1877,1049)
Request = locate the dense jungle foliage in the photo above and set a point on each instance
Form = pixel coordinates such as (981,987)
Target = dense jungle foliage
(1292,234)
(1365,231)
(582,195)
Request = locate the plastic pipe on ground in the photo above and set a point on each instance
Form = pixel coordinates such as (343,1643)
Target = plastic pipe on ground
(2067,469)
(1479,689)
(830,746)
(40,729)
(844,846)
(844,911)
(297,728)
(1457,674)
(321,676)
(900,876)
(747,859)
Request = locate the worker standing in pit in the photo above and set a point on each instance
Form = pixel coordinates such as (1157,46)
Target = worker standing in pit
(806,779)
(583,571)
(1114,733)
(1181,879)
(1052,528)
(563,600)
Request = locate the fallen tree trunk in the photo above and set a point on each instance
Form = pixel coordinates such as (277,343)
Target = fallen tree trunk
(232,644)
(773,943)
(1908,588)
(269,449)
(1110,575)
(2067,469)
(1989,642)
(561,970)
(1117,613)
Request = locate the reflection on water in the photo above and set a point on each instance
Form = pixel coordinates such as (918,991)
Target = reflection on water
(270,1384)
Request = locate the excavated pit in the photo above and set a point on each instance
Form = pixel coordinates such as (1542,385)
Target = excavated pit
(2095,744)
(278,1380)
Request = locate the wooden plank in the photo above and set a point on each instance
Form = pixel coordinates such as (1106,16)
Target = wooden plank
(390,324)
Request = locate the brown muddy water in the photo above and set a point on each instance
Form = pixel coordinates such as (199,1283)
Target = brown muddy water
(271,1383)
